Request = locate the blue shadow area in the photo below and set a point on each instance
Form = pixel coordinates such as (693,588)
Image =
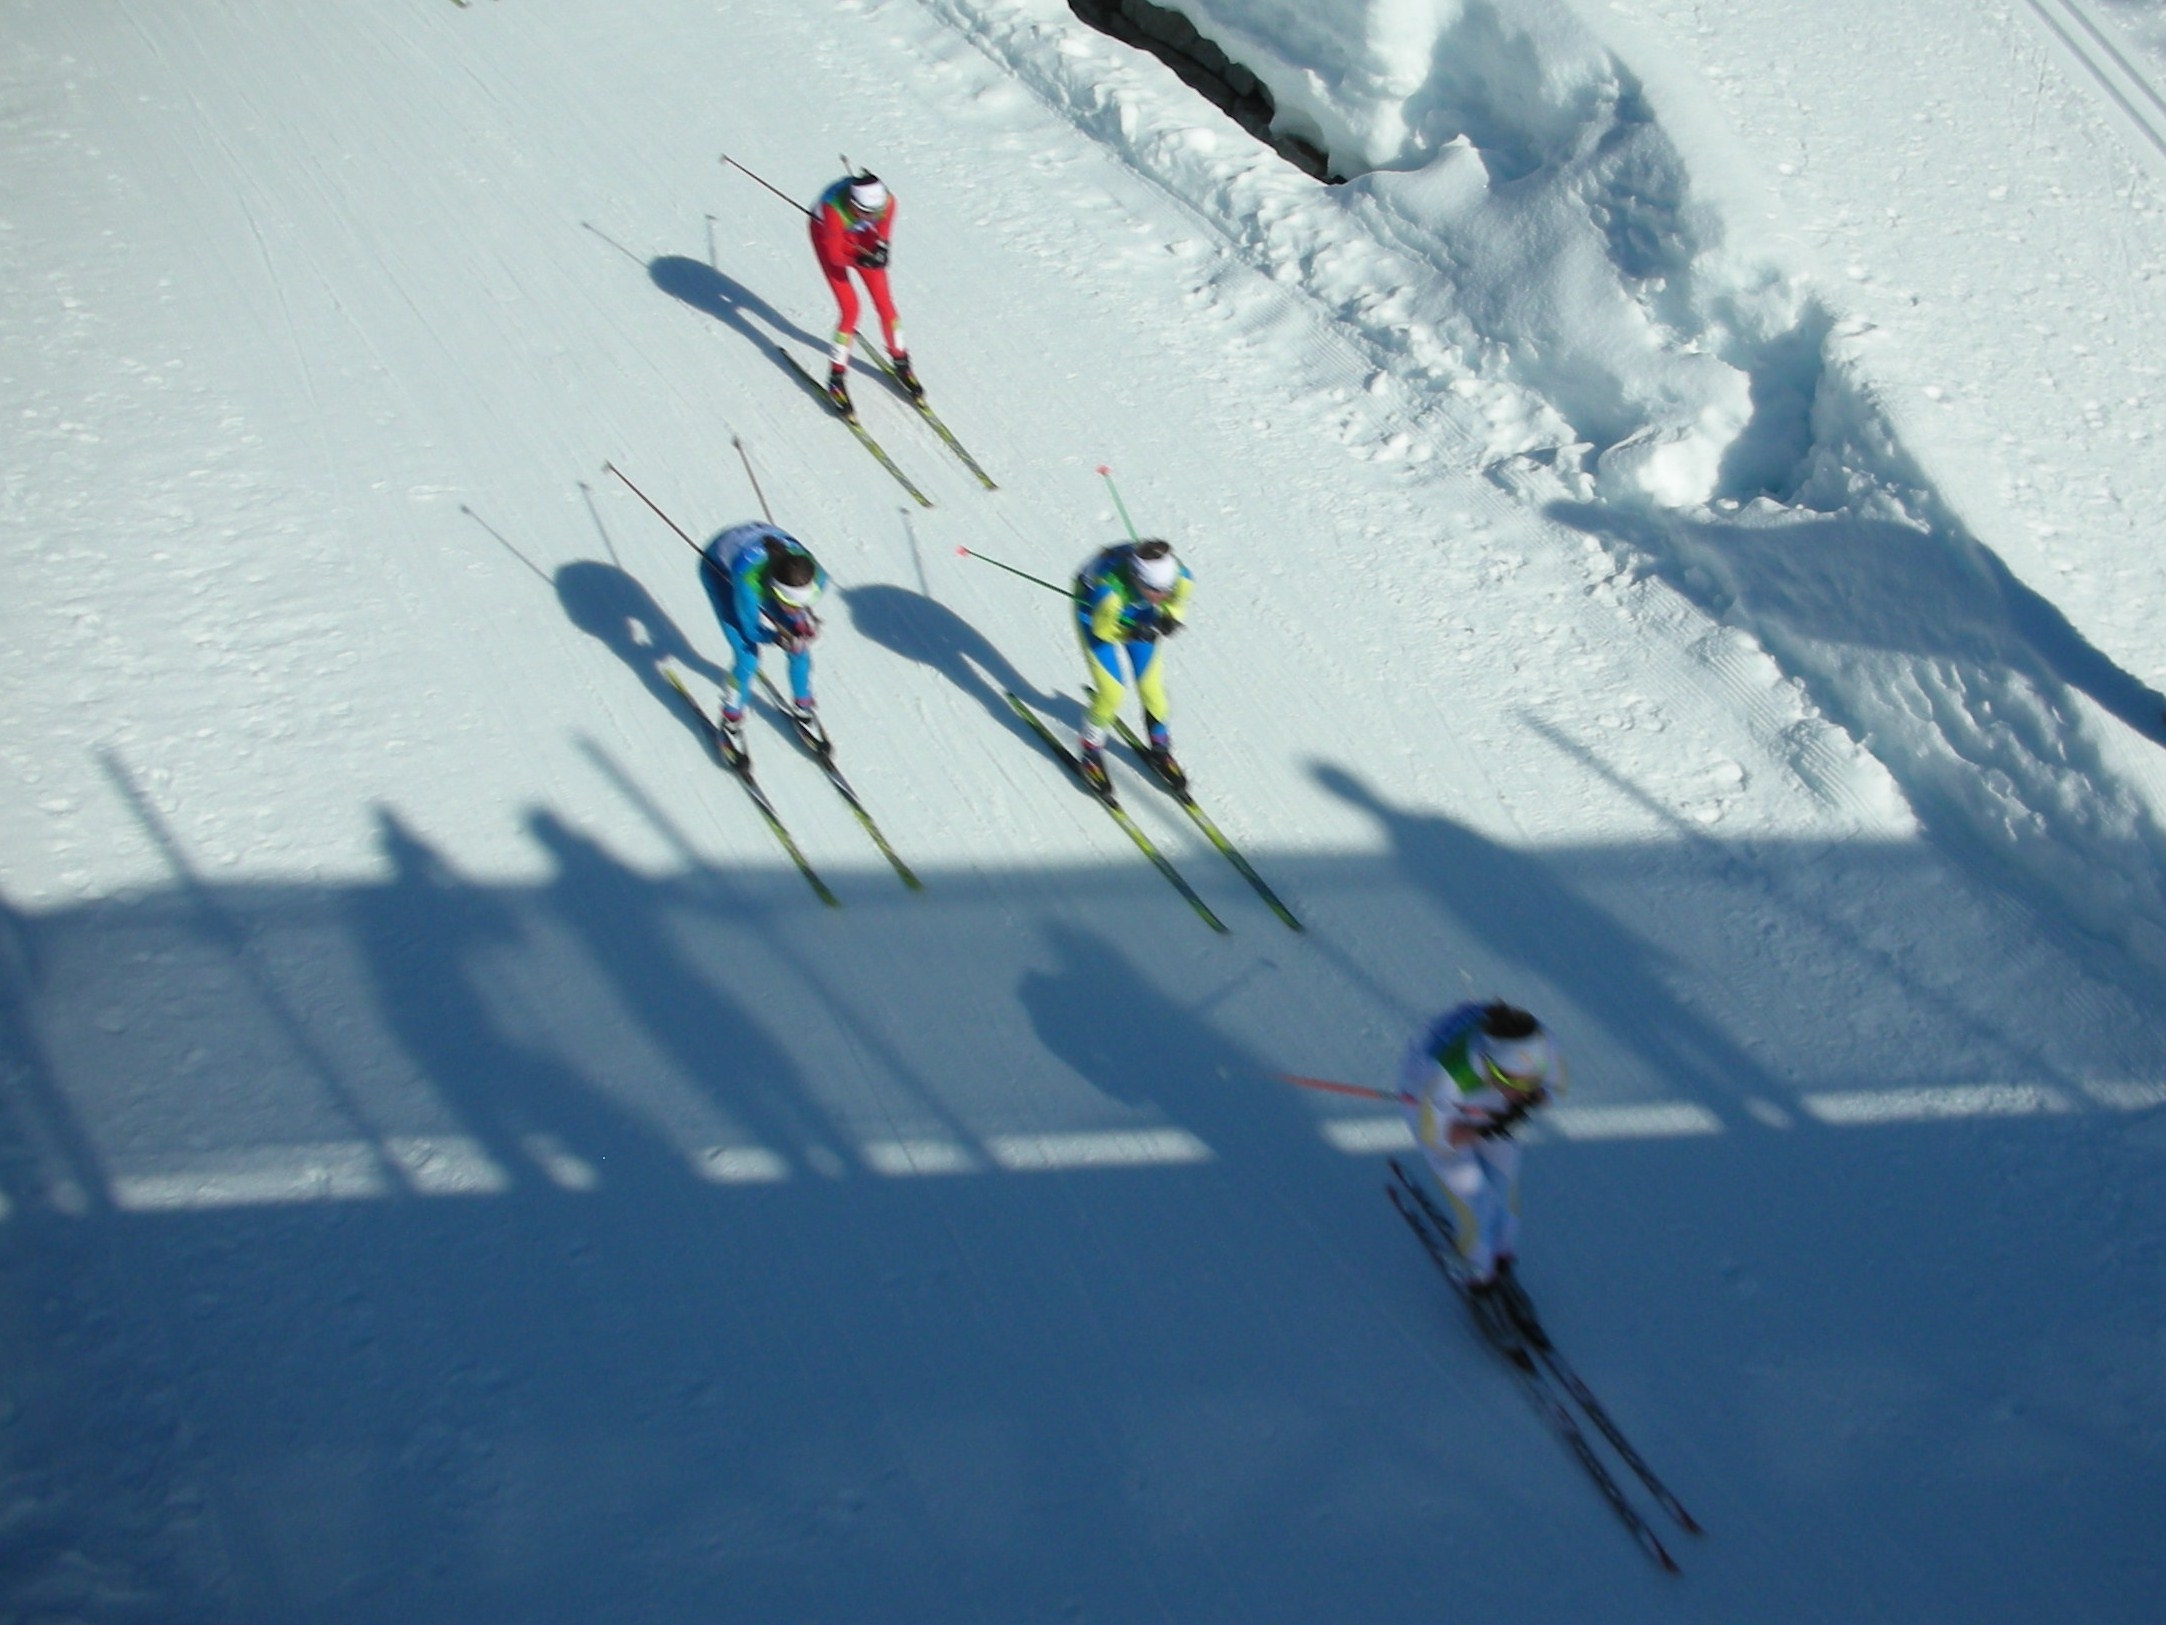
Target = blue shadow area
(650,1245)
(727,300)
(611,605)
(1876,585)
(923,629)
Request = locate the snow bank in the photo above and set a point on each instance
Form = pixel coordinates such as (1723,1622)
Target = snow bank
(1388,84)
(1524,237)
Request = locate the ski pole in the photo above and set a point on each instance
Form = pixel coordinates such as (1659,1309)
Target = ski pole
(665,518)
(1391,1097)
(745,457)
(792,202)
(1107,474)
(1065,592)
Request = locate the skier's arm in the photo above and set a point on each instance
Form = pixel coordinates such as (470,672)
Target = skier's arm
(748,605)
(1429,1089)
(830,243)
(1174,611)
(1108,608)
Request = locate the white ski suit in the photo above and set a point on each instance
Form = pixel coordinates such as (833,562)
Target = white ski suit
(1447,1098)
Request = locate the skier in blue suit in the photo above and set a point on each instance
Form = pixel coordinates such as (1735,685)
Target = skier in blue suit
(763,583)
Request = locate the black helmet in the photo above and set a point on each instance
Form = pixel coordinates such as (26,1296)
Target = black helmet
(791,573)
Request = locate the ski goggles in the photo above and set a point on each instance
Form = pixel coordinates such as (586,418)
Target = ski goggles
(1510,1083)
(795,597)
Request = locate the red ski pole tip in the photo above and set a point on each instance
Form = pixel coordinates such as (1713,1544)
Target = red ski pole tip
(1103,469)
(963,552)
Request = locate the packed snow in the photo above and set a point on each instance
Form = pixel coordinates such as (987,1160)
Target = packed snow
(1672,535)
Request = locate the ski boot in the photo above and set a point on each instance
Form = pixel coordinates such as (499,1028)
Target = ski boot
(1090,760)
(838,390)
(907,378)
(806,720)
(1159,748)
(729,731)
(1492,1314)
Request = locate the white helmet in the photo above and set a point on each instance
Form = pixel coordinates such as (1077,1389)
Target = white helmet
(867,195)
(1156,569)
(1512,1052)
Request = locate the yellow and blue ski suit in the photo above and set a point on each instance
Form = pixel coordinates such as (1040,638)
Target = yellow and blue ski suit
(1113,618)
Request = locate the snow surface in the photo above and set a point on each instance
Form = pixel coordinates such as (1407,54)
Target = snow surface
(1673,543)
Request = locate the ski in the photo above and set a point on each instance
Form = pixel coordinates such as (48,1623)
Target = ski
(1523,1352)
(741,765)
(1119,814)
(1546,1351)
(864,436)
(1179,790)
(925,411)
(1520,1308)
(822,750)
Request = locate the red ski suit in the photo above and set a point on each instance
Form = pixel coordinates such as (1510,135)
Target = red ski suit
(841,240)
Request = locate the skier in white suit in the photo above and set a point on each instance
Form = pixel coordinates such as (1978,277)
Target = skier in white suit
(1467,1083)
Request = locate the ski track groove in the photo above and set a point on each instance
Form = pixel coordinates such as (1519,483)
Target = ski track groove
(2087,43)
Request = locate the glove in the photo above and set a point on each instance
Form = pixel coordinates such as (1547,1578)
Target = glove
(795,633)
(1167,625)
(873,258)
(1140,632)
(1501,1124)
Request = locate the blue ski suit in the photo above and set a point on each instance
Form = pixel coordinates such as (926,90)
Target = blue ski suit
(735,576)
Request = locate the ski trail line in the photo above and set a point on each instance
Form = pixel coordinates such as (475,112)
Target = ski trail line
(2072,23)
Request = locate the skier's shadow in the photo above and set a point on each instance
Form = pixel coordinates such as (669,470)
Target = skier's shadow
(610,605)
(1512,903)
(1873,584)
(927,631)
(729,302)
(710,1035)
(428,939)
(1161,1052)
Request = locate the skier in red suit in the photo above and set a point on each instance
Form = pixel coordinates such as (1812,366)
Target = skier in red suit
(851,224)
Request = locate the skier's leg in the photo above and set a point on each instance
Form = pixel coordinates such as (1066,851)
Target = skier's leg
(801,676)
(838,284)
(1104,661)
(745,673)
(1150,680)
(1499,1159)
(722,597)
(1465,1191)
(883,303)
(1106,691)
